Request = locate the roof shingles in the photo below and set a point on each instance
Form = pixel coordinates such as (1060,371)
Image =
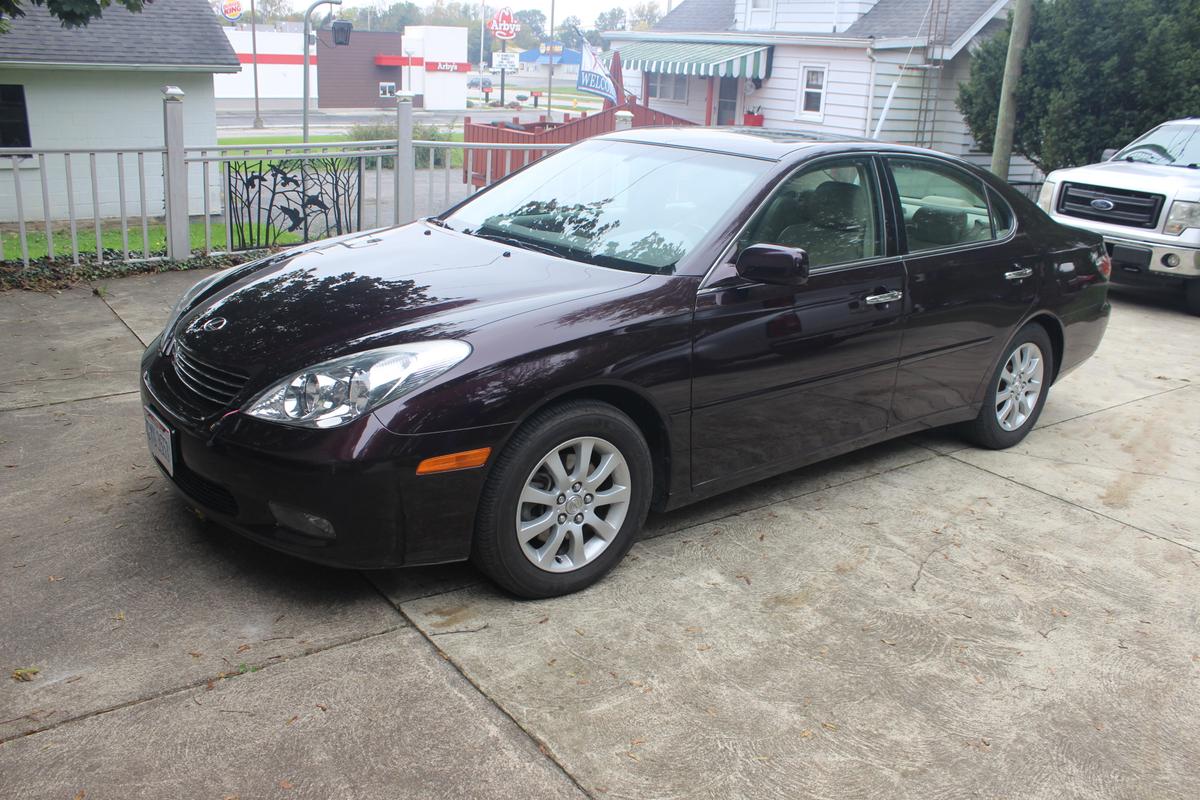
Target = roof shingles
(173,33)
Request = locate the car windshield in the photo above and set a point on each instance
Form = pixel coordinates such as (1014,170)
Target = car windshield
(1169,145)
(617,204)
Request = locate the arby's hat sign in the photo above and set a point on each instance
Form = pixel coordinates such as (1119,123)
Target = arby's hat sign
(503,26)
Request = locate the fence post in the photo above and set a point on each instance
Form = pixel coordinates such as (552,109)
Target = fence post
(175,190)
(405,174)
(624,120)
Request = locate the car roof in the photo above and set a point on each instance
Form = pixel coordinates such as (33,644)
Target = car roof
(765,143)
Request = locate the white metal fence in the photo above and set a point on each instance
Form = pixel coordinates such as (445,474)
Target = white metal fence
(173,202)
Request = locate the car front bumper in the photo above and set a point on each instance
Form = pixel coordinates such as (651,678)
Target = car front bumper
(255,477)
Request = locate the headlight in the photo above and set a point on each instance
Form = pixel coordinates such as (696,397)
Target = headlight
(344,389)
(1183,215)
(1046,198)
(185,302)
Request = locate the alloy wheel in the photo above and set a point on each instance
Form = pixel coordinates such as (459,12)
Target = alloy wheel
(1019,387)
(573,504)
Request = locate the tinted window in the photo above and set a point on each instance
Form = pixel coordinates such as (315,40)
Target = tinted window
(943,206)
(1002,214)
(829,209)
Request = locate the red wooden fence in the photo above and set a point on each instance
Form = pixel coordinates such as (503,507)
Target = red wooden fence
(478,170)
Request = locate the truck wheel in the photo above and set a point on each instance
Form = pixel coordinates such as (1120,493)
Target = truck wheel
(1192,289)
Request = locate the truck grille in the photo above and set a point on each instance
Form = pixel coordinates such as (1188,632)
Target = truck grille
(208,384)
(1135,209)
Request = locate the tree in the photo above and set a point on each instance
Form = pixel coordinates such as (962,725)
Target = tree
(644,16)
(568,32)
(611,20)
(71,13)
(533,21)
(1097,73)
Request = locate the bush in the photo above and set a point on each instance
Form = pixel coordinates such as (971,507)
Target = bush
(384,128)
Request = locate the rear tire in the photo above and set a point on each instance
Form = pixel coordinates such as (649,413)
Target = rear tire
(1016,391)
(565,500)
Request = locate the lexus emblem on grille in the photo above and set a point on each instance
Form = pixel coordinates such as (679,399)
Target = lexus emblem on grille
(1100,204)
(214,324)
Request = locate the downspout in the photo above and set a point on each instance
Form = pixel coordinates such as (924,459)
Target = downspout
(870,89)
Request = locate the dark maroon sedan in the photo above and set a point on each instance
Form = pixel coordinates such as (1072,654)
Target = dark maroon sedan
(640,321)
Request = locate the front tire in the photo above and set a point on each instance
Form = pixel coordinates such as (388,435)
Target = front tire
(565,500)
(1017,391)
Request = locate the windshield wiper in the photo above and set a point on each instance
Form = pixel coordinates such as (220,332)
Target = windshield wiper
(516,241)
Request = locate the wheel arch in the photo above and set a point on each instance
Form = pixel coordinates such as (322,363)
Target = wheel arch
(650,420)
(1054,329)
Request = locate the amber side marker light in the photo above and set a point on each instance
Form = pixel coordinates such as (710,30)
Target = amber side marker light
(452,461)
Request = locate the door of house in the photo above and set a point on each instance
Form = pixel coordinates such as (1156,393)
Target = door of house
(727,100)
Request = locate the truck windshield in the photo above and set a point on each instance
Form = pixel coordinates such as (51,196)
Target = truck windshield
(1169,145)
(616,204)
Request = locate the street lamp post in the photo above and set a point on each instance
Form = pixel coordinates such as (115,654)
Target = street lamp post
(307,33)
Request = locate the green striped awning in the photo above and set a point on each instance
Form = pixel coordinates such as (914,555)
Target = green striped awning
(706,60)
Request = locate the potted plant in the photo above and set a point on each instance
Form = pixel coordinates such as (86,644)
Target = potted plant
(753,117)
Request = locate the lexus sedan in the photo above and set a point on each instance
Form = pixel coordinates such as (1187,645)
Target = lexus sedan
(642,320)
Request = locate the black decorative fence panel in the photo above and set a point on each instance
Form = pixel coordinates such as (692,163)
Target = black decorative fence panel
(281,201)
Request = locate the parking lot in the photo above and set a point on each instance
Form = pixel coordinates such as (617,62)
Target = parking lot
(917,620)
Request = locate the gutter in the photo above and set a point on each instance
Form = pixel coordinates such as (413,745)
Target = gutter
(764,37)
(59,65)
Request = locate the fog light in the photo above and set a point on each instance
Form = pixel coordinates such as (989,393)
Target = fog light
(302,521)
(1170,260)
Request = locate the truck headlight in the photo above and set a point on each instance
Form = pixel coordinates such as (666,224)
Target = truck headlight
(1183,215)
(1046,197)
(338,391)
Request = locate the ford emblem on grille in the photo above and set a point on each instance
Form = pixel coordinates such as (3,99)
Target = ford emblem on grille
(1101,204)
(216,323)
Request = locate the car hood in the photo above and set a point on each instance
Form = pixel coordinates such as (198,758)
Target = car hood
(374,289)
(1171,181)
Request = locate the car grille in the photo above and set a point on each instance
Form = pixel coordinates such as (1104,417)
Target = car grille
(1135,209)
(209,384)
(205,492)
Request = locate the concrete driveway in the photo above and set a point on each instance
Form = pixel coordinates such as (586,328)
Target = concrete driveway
(920,619)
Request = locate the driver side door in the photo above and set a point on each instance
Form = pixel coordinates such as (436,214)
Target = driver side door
(786,375)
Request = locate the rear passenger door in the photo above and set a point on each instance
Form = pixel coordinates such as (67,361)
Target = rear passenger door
(971,279)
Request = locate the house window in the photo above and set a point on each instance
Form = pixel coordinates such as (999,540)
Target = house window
(760,5)
(811,101)
(387,89)
(668,87)
(14,118)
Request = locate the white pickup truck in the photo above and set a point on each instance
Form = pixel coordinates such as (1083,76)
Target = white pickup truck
(1145,202)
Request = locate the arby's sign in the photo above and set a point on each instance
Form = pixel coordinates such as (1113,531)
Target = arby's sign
(503,26)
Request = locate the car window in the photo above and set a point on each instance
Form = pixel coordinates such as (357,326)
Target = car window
(829,209)
(943,206)
(630,206)
(1002,214)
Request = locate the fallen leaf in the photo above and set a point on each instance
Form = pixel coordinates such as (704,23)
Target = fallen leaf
(703,647)
(195,653)
(120,617)
(293,719)
(745,578)
(804,734)
(632,755)
(54,578)
(888,642)
(80,794)
(577,630)
(285,784)
(694,629)
(24,674)
(543,620)
(636,742)
(322,706)
(829,726)
(243,648)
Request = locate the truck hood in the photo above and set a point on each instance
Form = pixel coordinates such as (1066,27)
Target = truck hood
(1175,182)
(374,289)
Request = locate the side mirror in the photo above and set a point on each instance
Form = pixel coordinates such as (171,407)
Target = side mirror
(773,263)
(1108,153)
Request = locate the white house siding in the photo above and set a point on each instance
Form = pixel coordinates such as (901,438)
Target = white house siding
(800,16)
(80,109)
(847,78)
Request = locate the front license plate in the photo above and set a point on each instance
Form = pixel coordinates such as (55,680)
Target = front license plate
(159,436)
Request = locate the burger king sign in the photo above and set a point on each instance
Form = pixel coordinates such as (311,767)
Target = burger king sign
(503,26)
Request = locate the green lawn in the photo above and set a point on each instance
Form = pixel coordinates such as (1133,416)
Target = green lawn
(110,239)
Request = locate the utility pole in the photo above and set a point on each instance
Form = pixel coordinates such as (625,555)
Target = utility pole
(307,34)
(258,120)
(1006,118)
(550,84)
(482,38)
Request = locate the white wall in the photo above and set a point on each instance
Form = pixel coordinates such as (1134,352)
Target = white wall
(274,80)
(81,109)
(847,77)
(800,16)
(442,90)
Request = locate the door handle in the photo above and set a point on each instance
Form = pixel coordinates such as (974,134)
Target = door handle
(1019,274)
(886,297)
